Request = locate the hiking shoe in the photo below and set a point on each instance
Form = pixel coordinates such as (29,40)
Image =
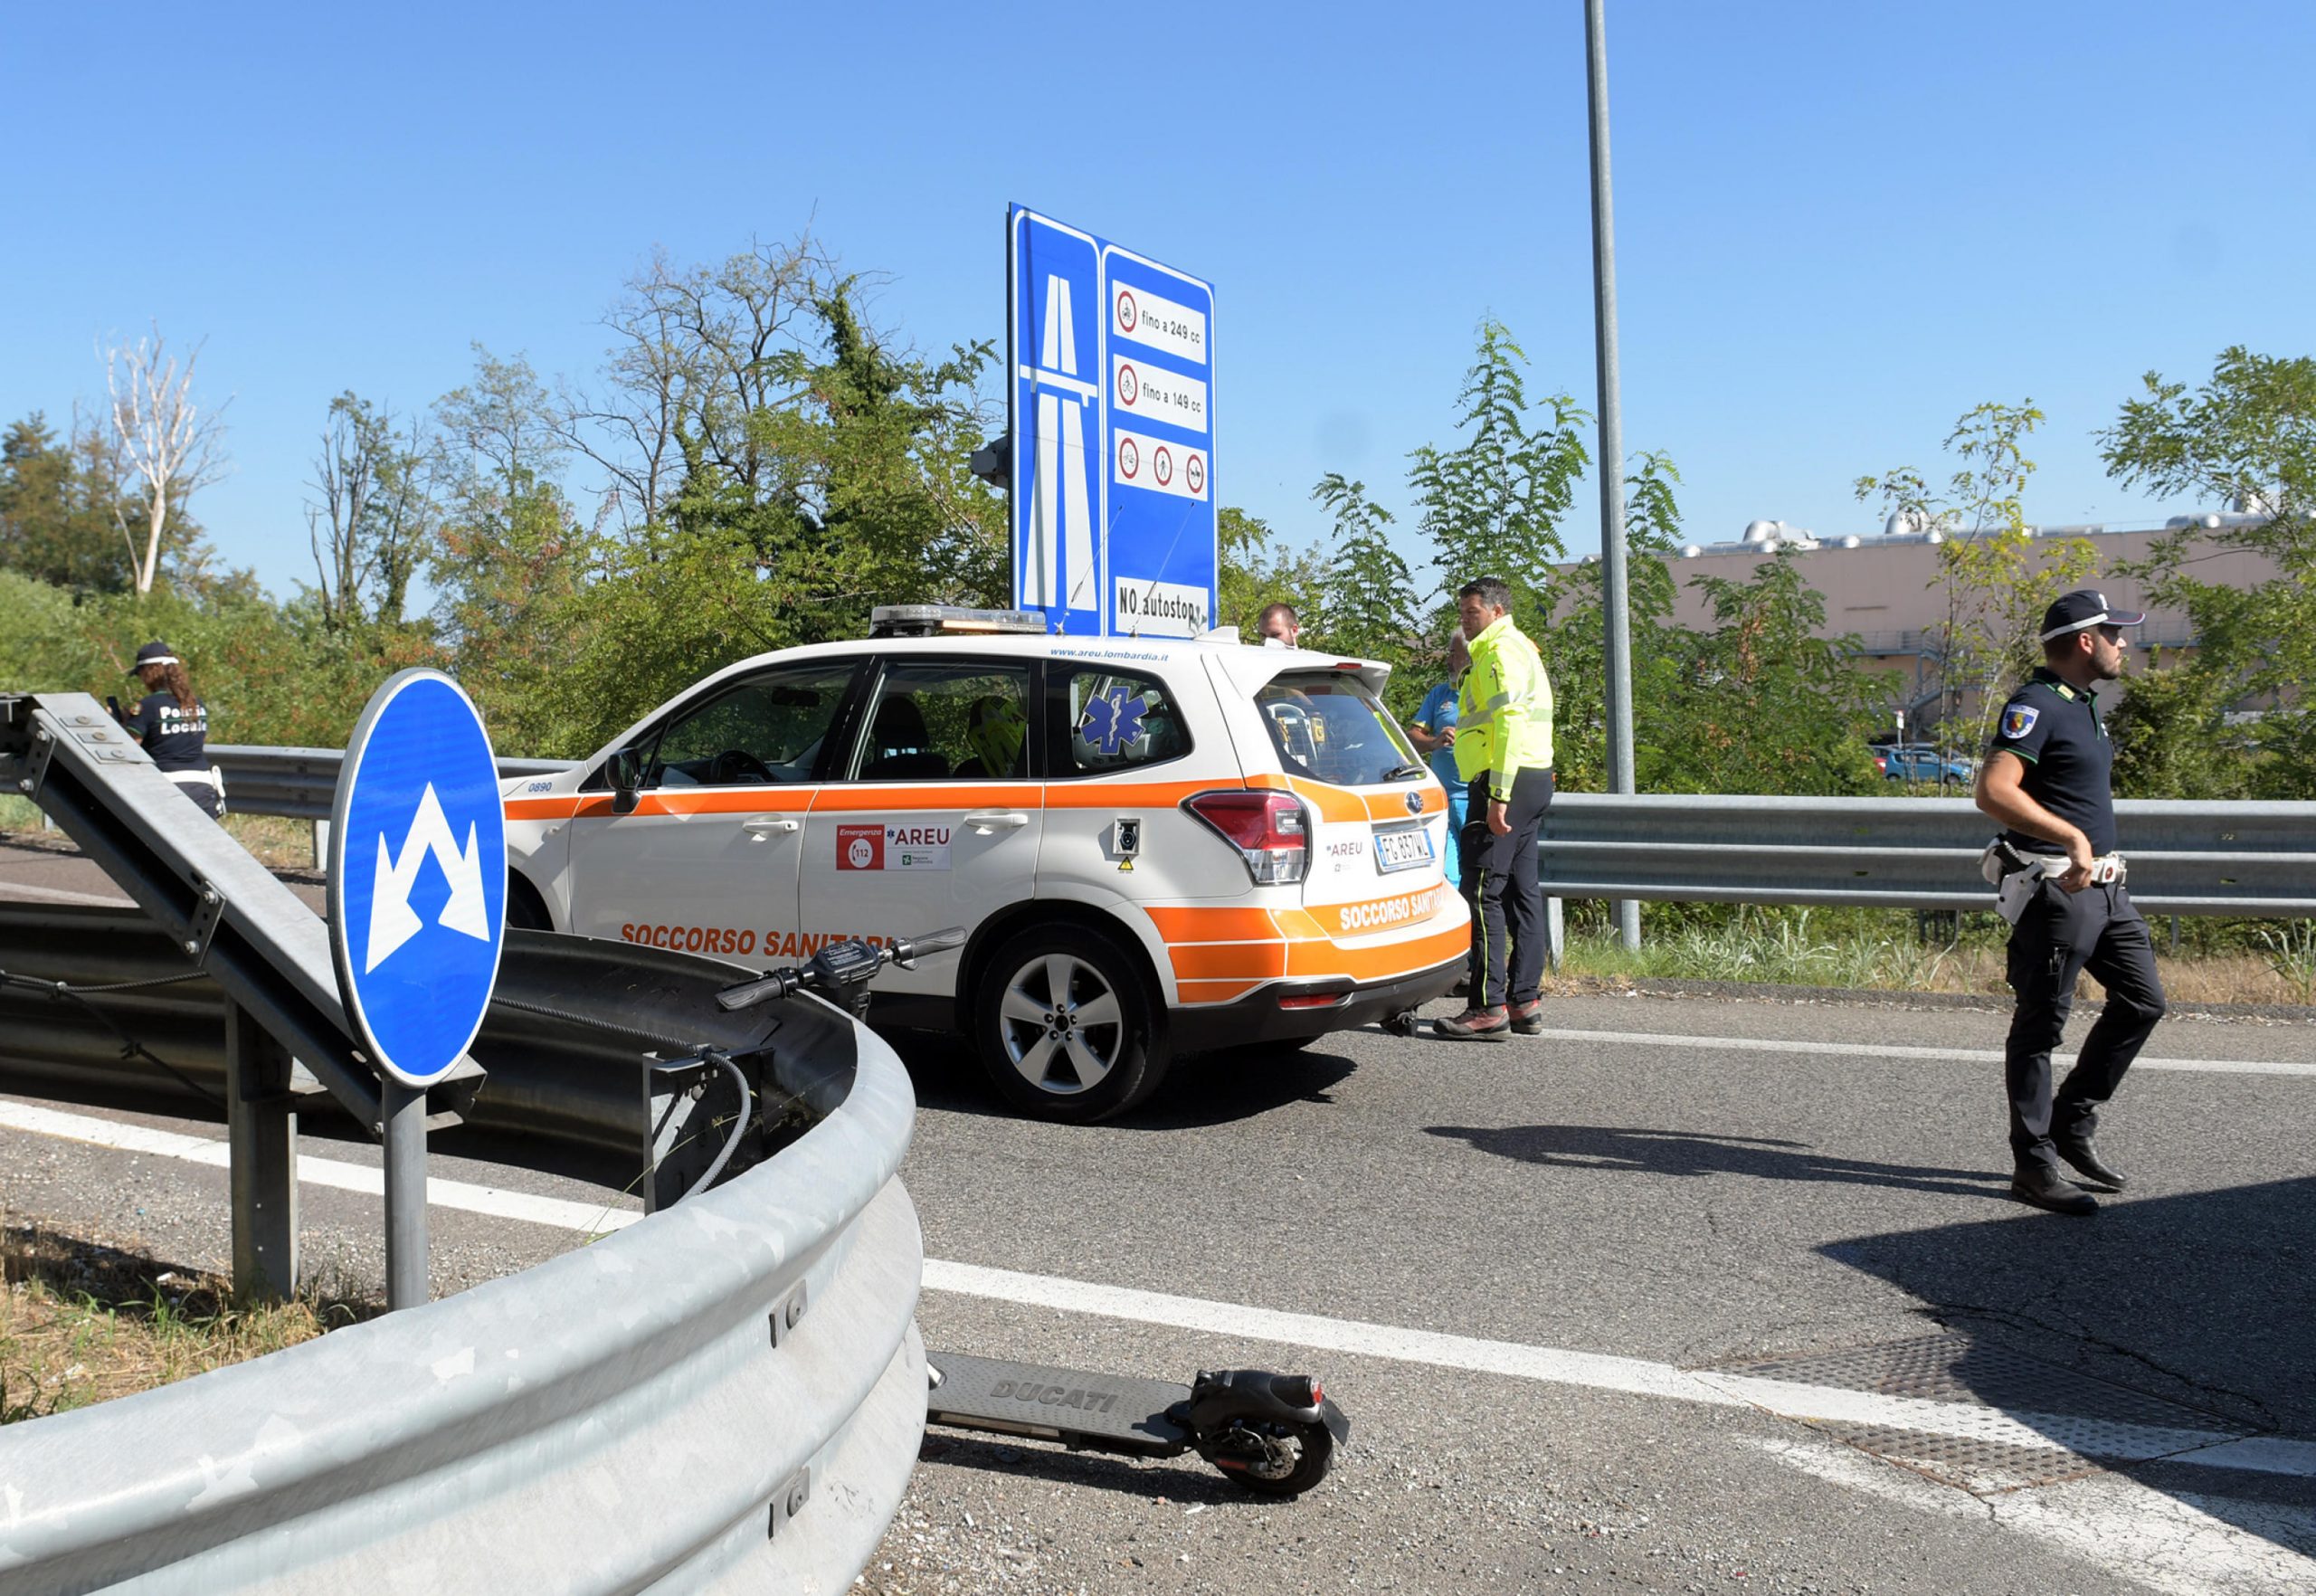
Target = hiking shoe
(1528,1018)
(1476,1025)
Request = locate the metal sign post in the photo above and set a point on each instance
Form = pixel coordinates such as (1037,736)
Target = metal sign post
(1612,445)
(417,916)
(1112,359)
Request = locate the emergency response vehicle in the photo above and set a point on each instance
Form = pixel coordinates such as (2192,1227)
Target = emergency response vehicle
(1156,847)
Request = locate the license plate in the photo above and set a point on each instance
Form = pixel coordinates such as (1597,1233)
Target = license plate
(1403,848)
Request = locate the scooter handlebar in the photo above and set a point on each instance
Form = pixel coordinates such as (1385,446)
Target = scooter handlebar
(826,970)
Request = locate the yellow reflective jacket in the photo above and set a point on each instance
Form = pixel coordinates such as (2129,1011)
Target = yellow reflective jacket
(1504,713)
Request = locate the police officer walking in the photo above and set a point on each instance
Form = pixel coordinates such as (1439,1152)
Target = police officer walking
(2045,779)
(1504,749)
(173,726)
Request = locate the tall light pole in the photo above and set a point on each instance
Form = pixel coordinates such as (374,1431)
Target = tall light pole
(1619,686)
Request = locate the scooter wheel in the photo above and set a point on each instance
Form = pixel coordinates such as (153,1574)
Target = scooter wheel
(1315,1449)
(1403,1023)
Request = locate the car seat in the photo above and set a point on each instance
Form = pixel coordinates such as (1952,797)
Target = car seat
(896,745)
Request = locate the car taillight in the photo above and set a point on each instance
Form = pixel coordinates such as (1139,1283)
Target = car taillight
(1266,827)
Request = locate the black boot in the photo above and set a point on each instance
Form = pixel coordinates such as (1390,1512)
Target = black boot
(2084,1156)
(2041,1186)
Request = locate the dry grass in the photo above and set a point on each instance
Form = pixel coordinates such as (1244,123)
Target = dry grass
(81,1322)
(276,842)
(1799,948)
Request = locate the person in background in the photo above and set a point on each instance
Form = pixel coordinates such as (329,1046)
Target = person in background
(1504,750)
(1279,626)
(1433,732)
(173,726)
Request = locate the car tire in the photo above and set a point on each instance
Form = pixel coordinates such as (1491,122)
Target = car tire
(1067,1027)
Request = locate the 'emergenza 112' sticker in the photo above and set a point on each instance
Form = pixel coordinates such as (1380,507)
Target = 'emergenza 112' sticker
(878,846)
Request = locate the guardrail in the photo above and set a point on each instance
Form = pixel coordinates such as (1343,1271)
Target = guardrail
(727,1393)
(656,1410)
(300,783)
(2256,860)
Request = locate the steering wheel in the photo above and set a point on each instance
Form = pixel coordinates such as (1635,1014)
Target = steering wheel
(736,767)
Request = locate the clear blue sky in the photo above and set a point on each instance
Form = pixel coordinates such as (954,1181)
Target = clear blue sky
(1839,226)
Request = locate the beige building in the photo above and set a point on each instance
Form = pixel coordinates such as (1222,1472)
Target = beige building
(1886,590)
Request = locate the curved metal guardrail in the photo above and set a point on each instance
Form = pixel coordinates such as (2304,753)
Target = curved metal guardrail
(728,1394)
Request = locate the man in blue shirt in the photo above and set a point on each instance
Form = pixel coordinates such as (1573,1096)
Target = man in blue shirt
(1433,732)
(2045,779)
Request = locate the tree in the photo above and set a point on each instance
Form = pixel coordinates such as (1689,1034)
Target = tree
(1491,506)
(174,445)
(1369,593)
(375,520)
(1575,646)
(2247,437)
(1258,571)
(1999,577)
(1764,704)
(57,510)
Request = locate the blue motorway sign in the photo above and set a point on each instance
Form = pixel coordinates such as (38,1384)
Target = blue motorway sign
(1112,467)
(417,877)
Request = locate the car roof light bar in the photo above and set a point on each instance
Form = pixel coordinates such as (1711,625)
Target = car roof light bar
(932,620)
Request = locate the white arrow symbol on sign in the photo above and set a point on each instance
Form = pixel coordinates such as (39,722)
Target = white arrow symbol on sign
(393,922)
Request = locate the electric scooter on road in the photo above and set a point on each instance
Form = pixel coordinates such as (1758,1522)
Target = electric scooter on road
(1272,1434)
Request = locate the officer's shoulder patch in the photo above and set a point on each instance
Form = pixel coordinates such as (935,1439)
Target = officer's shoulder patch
(2018,720)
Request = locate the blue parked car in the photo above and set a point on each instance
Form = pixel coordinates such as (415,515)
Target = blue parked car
(1919,762)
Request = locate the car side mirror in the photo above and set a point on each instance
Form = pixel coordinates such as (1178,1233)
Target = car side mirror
(626,770)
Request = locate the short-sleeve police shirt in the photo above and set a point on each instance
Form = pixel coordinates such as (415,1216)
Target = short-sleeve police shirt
(2054,729)
(176,738)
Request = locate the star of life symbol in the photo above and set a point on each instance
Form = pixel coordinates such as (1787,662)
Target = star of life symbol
(1061,516)
(1113,721)
(392,921)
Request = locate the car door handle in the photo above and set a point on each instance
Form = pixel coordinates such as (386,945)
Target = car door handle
(997,819)
(764,825)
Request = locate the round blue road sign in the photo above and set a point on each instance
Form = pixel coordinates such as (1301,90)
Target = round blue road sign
(417,877)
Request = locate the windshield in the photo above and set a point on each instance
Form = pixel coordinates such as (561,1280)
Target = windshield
(1327,725)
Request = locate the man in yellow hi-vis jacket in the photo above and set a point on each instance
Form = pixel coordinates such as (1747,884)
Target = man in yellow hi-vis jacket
(1504,749)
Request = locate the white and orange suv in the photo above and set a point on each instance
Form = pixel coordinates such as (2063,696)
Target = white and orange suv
(1157,847)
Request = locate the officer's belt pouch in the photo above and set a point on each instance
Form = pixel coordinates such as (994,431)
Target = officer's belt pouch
(2016,890)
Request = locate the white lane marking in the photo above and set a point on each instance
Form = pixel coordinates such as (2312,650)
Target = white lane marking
(1438,1349)
(591,1218)
(1754,1044)
(23,889)
(1598,1371)
(2161,1538)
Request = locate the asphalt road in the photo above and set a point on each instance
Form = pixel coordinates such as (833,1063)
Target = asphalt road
(1533,1273)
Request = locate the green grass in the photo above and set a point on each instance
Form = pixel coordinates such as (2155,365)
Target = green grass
(1785,947)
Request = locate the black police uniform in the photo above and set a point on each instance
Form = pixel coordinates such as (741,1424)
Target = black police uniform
(2054,729)
(177,738)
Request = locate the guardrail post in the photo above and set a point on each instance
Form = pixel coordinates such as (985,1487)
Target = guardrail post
(321,843)
(403,1111)
(1555,934)
(262,1132)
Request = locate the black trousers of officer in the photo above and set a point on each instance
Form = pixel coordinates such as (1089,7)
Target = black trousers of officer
(2061,935)
(1500,884)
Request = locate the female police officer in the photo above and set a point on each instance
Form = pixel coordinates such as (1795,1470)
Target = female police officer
(174,725)
(2045,779)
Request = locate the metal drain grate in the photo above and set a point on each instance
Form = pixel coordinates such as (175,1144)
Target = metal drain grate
(2002,1420)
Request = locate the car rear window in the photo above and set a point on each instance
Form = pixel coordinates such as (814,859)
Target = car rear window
(1327,725)
(1107,720)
